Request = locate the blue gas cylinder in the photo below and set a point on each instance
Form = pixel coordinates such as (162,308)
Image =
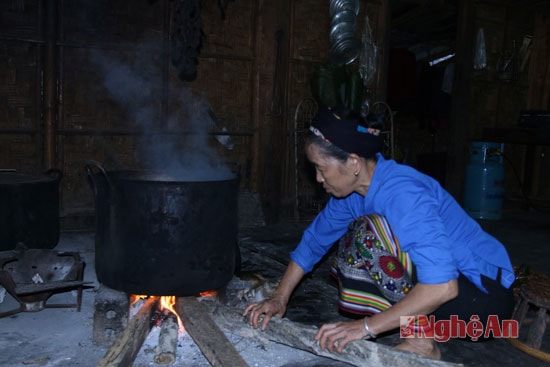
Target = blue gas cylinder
(484,181)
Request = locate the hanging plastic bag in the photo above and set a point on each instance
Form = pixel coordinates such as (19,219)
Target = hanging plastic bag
(480,56)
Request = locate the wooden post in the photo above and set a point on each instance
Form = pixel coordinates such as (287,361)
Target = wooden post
(125,349)
(50,83)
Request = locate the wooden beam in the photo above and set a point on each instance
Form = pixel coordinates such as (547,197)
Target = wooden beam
(125,349)
(300,336)
(207,335)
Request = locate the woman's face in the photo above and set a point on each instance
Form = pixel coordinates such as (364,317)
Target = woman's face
(338,178)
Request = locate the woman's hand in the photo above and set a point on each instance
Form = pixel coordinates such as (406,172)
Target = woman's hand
(268,308)
(276,305)
(337,335)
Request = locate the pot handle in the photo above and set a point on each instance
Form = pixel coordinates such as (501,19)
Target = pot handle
(56,173)
(89,166)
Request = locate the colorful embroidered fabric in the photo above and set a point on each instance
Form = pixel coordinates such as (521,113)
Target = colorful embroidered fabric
(372,270)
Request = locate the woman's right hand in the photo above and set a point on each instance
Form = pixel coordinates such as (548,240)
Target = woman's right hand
(259,314)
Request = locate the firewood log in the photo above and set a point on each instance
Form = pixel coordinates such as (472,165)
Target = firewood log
(212,342)
(168,341)
(124,350)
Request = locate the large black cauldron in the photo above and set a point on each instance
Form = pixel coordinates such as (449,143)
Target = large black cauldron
(162,234)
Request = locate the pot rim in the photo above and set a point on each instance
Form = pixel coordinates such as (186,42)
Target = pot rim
(159,176)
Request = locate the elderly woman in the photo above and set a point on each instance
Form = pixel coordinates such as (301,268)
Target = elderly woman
(406,247)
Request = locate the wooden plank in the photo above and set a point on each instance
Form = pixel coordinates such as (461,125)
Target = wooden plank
(207,335)
(300,336)
(125,349)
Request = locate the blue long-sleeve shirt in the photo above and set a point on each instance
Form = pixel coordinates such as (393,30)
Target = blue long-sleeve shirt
(442,240)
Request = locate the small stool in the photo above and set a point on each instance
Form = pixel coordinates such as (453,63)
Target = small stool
(535,294)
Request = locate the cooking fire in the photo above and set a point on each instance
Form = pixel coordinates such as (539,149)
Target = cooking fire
(171,314)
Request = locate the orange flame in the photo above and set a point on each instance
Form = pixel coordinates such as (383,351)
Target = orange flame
(168,302)
(208,294)
(134,298)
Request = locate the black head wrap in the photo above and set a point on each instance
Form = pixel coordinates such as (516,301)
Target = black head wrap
(346,132)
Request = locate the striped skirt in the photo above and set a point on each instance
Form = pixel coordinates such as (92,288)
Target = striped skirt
(372,271)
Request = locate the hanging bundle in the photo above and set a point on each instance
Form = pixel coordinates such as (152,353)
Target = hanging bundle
(186,37)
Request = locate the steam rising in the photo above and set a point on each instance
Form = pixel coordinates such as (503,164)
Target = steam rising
(137,88)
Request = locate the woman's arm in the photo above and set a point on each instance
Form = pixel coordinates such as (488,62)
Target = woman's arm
(276,305)
(423,299)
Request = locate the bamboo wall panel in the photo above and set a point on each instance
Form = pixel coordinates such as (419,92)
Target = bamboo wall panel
(20,19)
(114,152)
(311,30)
(232,36)
(19,152)
(111,74)
(106,22)
(310,45)
(101,115)
(120,89)
(111,89)
(19,85)
(223,84)
(20,89)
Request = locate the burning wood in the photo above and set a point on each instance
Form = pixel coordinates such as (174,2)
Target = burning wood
(125,349)
(169,313)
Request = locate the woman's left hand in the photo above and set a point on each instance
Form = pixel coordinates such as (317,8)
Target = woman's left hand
(337,335)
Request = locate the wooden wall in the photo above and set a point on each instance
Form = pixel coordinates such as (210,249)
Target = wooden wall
(93,81)
(83,80)
(486,99)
